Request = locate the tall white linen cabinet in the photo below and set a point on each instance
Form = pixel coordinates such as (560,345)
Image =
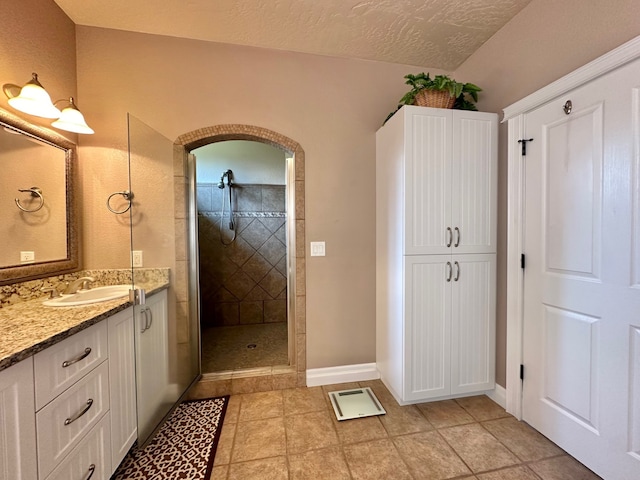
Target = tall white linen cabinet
(436,185)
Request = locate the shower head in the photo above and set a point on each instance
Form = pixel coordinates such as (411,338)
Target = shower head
(221,184)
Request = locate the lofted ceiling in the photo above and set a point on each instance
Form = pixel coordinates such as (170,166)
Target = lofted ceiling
(429,33)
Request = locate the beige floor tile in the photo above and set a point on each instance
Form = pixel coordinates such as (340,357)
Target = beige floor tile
(562,468)
(259,439)
(219,472)
(482,408)
(304,400)
(376,460)
(359,429)
(310,431)
(429,457)
(446,413)
(319,464)
(403,420)
(266,469)
(259,406)
(478,448)
(521,439)
(225,444)
(511,473)
(233,409)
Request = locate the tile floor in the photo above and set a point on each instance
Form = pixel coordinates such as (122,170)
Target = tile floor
(225,348)
(293,435)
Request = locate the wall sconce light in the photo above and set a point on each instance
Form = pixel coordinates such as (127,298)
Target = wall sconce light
(72,120)
(33,99)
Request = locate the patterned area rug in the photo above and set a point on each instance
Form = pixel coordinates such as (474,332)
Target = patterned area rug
(184,448)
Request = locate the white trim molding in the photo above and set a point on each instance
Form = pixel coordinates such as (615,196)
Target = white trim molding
(499,395)
(515,115)
(342,374)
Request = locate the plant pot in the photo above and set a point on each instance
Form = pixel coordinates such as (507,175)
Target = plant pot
(434,99)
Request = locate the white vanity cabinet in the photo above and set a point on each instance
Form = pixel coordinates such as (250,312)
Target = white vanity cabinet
(436,174)
(17,423)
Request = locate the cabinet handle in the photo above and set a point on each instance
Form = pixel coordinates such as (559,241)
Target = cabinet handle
(450,236)
(457,244)
(92,469)
(450,271)
(150,322)
(457,272)
(83,355)
(72,419)
(143,311)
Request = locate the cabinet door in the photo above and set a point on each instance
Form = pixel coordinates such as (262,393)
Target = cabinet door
(152,363)
(473,323)
(17,423)
(474,182)
(428,181)
(122,385)
(428,320)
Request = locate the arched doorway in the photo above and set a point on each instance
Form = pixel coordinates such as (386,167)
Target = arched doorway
(276,377)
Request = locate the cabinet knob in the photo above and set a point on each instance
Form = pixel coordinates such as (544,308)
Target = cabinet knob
(450,271)
(450,237)
(457,244)
(457,272)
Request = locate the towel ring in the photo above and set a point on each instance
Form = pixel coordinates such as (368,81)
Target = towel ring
(128,196)
(35,193)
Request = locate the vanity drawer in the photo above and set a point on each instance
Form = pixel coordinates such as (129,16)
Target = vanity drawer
(90,459)
(63,423)
(61,365)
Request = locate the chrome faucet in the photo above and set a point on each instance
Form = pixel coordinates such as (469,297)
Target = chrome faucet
(82,283)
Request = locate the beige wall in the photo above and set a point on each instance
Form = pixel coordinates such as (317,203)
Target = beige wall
(332,107)
(547,40)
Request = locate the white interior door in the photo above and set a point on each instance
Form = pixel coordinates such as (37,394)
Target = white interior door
(581,347)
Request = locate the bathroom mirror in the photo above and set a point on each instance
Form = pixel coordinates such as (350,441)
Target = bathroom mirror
(38,219)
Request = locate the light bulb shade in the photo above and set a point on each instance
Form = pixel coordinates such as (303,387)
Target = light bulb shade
(72,120)
(35,100)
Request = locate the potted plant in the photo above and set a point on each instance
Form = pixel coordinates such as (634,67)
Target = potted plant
(440,91)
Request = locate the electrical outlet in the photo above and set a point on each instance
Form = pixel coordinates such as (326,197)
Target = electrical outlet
(136,258)
(27,257)
(317,249)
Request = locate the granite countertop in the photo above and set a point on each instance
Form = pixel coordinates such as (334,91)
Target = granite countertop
(29,327)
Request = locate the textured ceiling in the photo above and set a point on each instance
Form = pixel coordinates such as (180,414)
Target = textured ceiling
(430,33)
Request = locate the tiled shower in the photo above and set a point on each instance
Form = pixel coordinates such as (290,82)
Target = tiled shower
(243,281)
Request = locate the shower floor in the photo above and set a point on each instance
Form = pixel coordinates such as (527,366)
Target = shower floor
(226,348)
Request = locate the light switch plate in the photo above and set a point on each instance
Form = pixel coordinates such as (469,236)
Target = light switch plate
(317,249)
(136,258)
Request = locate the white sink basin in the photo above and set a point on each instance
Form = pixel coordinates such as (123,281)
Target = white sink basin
(86,297)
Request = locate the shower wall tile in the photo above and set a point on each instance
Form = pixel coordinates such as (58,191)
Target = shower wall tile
(251,312)
(203,193)
(243,282)
(249,199)
(275,311)
(273,199)
(273,250)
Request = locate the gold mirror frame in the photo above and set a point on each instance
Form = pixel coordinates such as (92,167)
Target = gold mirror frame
(21,273)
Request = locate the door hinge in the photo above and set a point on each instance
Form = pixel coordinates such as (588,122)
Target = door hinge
(521,372)
(522,261)
(523,142)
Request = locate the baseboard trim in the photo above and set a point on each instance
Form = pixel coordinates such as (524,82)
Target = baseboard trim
(499,395)
(342,374)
